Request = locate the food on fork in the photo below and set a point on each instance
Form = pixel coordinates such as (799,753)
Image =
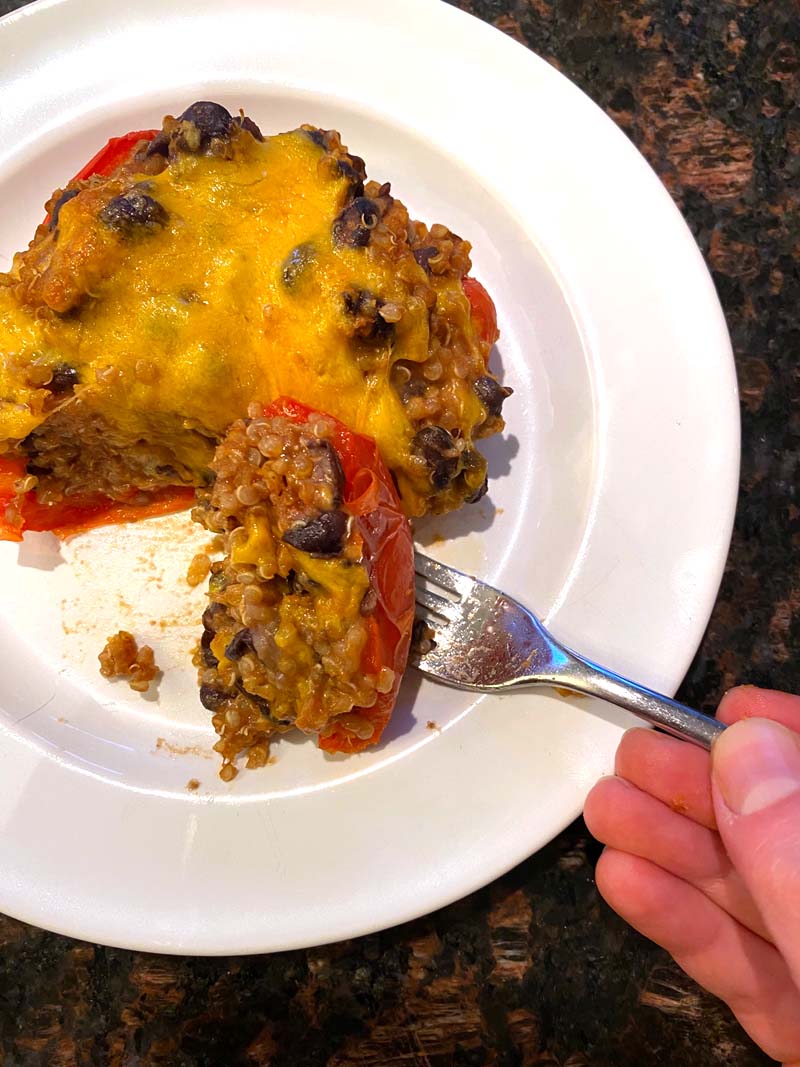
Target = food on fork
(190,273)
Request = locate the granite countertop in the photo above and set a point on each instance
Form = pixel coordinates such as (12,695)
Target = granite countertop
(534,969)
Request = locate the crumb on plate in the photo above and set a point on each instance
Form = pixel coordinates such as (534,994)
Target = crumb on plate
(162,744)
(122,658)
(198,569)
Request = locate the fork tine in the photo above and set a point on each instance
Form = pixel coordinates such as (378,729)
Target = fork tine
(439,605)
(437,573)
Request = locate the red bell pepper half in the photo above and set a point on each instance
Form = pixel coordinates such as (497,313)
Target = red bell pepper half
(484,313)
(370,496)
(77,513)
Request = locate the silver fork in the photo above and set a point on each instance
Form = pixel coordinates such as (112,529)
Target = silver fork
(485,641)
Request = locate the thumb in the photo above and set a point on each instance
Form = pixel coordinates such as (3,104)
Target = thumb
(755,776)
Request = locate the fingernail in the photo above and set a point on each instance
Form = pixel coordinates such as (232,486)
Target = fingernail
(755,763)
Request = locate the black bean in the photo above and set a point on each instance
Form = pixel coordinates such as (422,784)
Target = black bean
(479,493)
(64,379)
(133,212)
(298,261)
(491,394)
(355,224)
(405,380)
(240,643)
(354,169)
(423,256)
(328,469)
(318,136)
(65,197)
(159,146)
(438,449)
(208,657)
(473,467)
(364,306)
(248,124)
(212,698)
(323,536)
(211,121)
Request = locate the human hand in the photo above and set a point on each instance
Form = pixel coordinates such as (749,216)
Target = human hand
(703,857)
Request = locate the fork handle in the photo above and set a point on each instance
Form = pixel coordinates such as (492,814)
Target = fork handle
(582,676)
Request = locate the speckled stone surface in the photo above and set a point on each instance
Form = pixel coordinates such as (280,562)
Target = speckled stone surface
(534,969)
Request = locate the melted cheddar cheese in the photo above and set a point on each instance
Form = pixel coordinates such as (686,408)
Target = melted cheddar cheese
(237,294)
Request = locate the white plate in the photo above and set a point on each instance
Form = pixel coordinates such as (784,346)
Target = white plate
(610,511)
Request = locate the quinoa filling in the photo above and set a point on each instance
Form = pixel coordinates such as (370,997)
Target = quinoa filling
(79,453)
(288,619)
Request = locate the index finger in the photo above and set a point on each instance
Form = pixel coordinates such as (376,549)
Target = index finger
(750,702)
(674,772)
